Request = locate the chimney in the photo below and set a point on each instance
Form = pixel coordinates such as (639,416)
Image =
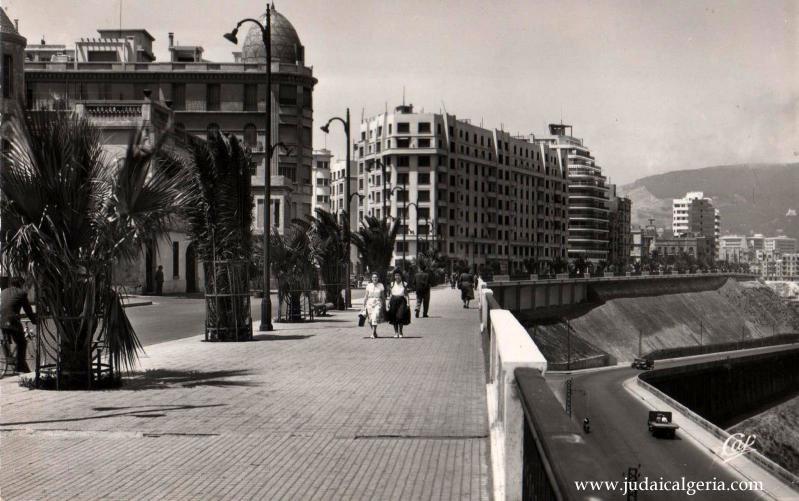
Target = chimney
(171,39)
(16,25)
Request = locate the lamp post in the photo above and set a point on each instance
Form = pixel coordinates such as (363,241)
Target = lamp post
(326,128)
(266,301)
(402,220)
(427,235)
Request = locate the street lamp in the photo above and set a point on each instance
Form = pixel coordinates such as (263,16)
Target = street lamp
(402,223)
(266,28)
(326,128)
(427,235)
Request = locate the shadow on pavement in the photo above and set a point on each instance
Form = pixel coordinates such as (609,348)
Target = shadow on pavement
(275,337)
(159,379)
(145,411)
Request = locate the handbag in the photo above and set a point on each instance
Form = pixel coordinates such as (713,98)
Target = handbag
(361,318)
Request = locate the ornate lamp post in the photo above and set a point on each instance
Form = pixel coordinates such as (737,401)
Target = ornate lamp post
(326,128)
(266,301)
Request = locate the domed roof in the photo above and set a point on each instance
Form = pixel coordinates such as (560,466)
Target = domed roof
(286,45)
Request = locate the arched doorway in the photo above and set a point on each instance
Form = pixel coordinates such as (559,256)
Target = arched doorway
(191,269)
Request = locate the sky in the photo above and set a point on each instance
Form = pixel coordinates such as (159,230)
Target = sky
(651,86)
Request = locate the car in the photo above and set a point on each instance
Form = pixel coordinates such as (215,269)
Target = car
(644,364)
(659,424)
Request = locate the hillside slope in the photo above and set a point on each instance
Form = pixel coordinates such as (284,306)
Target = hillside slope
(751,198)
(734,311)
(777,433)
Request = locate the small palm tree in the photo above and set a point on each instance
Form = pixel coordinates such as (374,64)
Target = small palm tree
(69,214)
(292,263)
(219,213)
(328,240)
(375,241)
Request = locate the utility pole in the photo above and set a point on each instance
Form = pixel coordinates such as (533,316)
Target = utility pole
(569,345)
(701,332)
(640,336)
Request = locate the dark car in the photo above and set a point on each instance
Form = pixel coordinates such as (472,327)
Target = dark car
(643,364)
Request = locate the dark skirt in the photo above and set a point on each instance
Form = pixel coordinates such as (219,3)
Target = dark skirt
(398,312)
(467,291)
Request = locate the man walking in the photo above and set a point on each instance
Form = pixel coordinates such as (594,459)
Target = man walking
(12,300)
(159,281)
(422,285)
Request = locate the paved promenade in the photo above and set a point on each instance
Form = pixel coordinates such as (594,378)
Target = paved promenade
(310,411)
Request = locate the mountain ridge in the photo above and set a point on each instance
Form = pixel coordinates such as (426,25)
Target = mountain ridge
(752,198)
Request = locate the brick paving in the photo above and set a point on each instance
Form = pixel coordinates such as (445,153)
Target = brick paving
(313,411)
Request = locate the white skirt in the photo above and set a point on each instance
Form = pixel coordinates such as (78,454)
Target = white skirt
(374,310)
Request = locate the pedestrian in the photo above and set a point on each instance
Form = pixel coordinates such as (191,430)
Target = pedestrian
(373,303)
(399,313)
(422,285)
(12,300)
(159,281)
(466,283)
(453,279)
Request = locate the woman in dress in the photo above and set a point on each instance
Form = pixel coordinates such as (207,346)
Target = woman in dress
(399,313)
(373,302)
(466,283)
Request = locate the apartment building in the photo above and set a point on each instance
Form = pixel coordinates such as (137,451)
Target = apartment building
(320,180)
(695,214)
(476,194)
(775,247)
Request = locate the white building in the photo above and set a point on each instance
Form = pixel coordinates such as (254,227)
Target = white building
(733,248)
(320,180)
(775,247)
(695,214)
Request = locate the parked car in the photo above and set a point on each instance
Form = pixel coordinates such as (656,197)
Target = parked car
(644,364)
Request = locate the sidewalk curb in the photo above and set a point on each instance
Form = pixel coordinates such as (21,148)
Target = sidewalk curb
(134,304)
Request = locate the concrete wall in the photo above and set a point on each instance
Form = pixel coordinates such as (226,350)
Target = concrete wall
(724,390)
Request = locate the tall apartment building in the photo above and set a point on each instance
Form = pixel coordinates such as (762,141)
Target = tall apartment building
(338,190)
(619,235)
(119,65)
(695,215)
(477,194)
(589,203)
(320,180)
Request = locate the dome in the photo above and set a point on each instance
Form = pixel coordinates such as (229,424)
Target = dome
(286,45)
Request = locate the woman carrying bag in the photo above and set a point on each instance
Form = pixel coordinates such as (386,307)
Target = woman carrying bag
(373,302)
(399,313)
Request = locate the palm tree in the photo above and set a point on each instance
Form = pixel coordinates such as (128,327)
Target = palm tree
(375,242)
(328,240)
(219,216)
(293,265)
(69,214)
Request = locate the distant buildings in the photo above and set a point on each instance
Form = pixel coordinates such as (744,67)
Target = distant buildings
(775,247)
(734,248)
(695,214)
(479,195)
(693,245)
(320,180)
(643,242)
(619,235)
(589,203)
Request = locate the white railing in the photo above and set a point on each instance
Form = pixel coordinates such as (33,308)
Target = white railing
(510,348)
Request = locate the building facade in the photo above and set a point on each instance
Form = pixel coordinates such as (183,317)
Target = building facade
(695,214)
(697,246)
(643,242)
(619,226)
(320,180)
(478,195)
(734,249)
(119,65)
(12,86)
(589,202)
(775,247)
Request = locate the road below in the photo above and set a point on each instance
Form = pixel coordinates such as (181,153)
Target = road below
(619,429)
(176,317)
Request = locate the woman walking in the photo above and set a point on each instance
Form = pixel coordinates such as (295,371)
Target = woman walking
(467,288)
(373,302)
(399,313)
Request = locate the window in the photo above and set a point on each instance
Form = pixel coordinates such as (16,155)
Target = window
(422,212)
(288,134)
(423,196)
(403,127)
(8,76)
(307,98)
(178,96)
(424,161)
(250,136)
(424,127)
(102,56)
(424,143)
(212,97)
(250,97)
(211,130)
(402,178)
(423,178)
(175,259)
(403,161)
(288,95)
(403,142)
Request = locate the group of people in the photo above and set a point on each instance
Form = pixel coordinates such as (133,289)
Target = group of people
(393,305)
(467,283)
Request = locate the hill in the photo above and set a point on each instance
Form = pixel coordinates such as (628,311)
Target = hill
(777,432)
(753,198)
